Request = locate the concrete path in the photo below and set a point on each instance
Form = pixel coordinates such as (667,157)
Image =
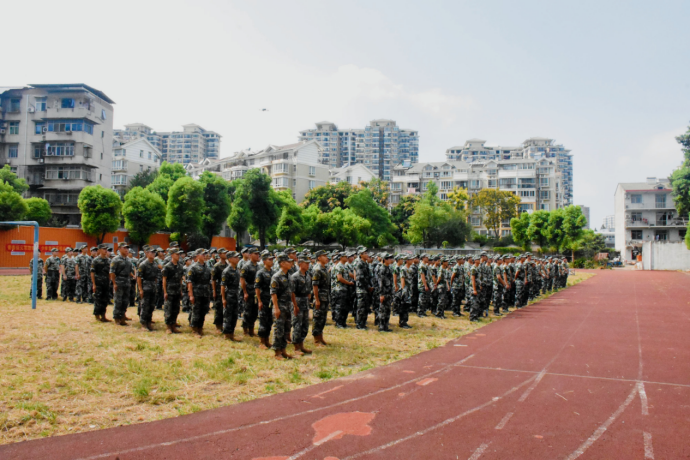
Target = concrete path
(600,370)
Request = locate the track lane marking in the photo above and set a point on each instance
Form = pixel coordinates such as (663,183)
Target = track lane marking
(478,453)
(648,448)
(503,421)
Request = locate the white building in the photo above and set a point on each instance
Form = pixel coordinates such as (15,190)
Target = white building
(130,159)
(644,212)
(609,222)
(352,174)
(192,145)
(585,212)
(294,167)
(379,146)
(536,182)
(59,138)
(535,147)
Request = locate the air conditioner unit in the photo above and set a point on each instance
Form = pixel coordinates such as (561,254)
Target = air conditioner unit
(2,131)
(31,110)
(44,129)
(68,132)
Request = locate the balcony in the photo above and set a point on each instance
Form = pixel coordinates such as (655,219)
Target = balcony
(647,205)
(645,223)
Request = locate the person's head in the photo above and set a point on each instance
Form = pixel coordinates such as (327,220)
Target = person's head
(284,262)
(425,258)
(94,251)
(174,255)
(321,257)
(303,265)
(199,256)
(150,255)
(409,261)
(387,259)
(223,254)
(267,259)
(233,258)
(254,255)
(343,258)
(124,250)
(102,250)
(291,253)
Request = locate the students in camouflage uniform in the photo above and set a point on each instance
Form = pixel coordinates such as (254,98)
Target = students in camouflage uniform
(244,259)
(70,275)
(262,288)
(121,275)
(100,283)
(52,271)
(340,291)
(473,290)
(405,293)
(147,281)
(281,294)
(230,288)
(521,281)
(442,289)
(301,292)
(247,279)
(83,262)
(321,285)
(172,277)
(39,277)
(363,288)
(500,285)
(199,288)
(424,284)
(457,285)
(414,286)
(216,278)
(385,277)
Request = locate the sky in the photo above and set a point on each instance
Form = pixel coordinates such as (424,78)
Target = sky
(609,80)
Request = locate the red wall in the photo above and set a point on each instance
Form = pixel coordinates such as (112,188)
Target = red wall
(20,240)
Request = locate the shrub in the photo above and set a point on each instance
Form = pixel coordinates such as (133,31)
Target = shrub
(507,250)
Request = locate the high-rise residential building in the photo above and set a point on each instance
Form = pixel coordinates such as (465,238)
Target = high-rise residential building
(353,175)
(536,182)
(585,212)
(380,146)
(58,137)
(534,147)
(609,222)
(131,158)
(645,211)
(293,167)
(191,145)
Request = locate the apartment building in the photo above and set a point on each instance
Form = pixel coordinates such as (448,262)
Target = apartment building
(379,146)
(644,212)
(536,182)
(131,158)
(293,167)
(191,145)
(353,175)
(609,222)
(59,138)
(585,212)
(536,148)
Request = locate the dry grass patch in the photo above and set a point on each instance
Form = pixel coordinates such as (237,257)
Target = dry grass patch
(65,373)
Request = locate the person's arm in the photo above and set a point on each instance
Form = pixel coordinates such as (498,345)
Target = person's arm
(276,308)
(474,284)
(294,303)
(344,281)
(257,291)
(426,286)
(243,285)
(213,287)
(93,282)
(165,288)
(113,279)
(190,291)
(317,301)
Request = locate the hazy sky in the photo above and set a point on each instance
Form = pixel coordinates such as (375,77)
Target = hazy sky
(608,79)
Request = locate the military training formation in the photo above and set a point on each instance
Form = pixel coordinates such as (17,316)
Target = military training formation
(278,289)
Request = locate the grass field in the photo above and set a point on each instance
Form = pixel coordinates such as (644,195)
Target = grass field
(63,372)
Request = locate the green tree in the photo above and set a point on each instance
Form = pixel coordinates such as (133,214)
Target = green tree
(680,178)
(537,230)
(315,226)
(101,210)
(380,191)
(168,174)
(8,177)
(216,204)
(291,225)
(458,198)
(239,218)
(174,171)
(142,179)
(554,230)
(144,213)
(328,197)
(185,207)
(429,214)
(496,206)
(345,227)
(401,213)
(12,206)
(518,227)
(255,192)
(455,231)
(363,204)
(573,228)
(39,210)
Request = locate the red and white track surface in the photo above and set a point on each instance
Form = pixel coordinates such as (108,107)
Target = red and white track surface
(598,371)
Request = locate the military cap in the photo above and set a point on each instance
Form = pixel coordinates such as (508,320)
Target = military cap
(266,254)
(289,251)
(283,258)
(388,256)
(252,251)
(233,254)
(54,250)
(212,251)
(243,250)
(483,253)
(222,251)
(303,260)
(100,246)
(528,254)
(94,248)
(320,253)
(361,251)
(68,249)
(174,251)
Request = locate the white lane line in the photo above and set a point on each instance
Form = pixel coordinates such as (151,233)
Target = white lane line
(604,426)
(503,421)
(437,426)
(643,398)
(533,386)
(315,445)
(648,449)
(478,453)
(320,395)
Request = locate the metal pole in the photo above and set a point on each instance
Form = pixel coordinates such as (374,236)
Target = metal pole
(34,280)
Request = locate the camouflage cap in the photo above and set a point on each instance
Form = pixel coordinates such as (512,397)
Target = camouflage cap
(289,251)
(174,244)
(100,246)
(212,251)
(283,258)
(252,251)
(174,251)
(303,260)
(266,254)
(68,249)
(320,253)
(94,248)
(233,254)
(222,251)
(243,250)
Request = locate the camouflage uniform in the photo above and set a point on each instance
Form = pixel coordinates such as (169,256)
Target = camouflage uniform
(472,299)
(458,288)
(186,304)
(122,268)
(100,267)
(159,282)
(39,277)
(414,287)
(84,267)
(240,295)
(230,279)
(302,288)
(69,280)
(149,274)
(251,309)
(385,291)
(362,283)
(498,291)
(321,279)
(520,293)
(280,286)
(405,296)
(340,295)
(52,267)
(442,290)
(424,295)
(200,279)
(173,282)
(262,282)
(217,276)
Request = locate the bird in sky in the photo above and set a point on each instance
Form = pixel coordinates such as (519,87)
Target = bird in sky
(264,110)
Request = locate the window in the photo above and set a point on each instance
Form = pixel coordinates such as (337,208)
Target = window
(446,185)
(524,207)
(682,232)
(294,182)
(636,198)
(544,194)
(636,234)
(141,154)
(141,168)
(63,126)
(14,127)
(294,168)
(149,155)
(103,114)
(660,200)
(119,164)
(544,207)
(118,179)
(312,170)
(475,221)
(348,179)
(13,151)
(67,173)
(39,128)
(661,235)
(41,104)
(544,181)
(636,216)
(14,105)
(312,184)
(396,186)
(60,149)
(280,168)
(67,103)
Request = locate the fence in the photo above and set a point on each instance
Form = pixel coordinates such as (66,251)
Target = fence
(660,255)
(16,249)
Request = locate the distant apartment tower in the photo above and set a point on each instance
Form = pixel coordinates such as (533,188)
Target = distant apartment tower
(585,212)
(534,147)
(59,138)
(609,222)
(380,146)
(191,145)
(131,158)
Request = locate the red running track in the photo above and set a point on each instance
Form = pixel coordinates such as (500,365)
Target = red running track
(598,371)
